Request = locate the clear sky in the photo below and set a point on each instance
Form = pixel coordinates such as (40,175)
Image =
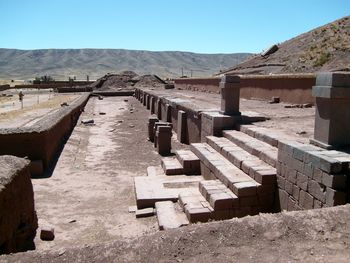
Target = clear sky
(203,26)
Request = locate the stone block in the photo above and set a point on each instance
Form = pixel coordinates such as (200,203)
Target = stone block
(195,215)
(283,199)
(302,181)
(47,233)
(281,182)
(151,121)
(289,187)
(296,191)
(317,190)
(159,109)
(334,197)
(265,177)
(292,204)
(222,201)
(317,204)
(245,188)
(168,110)
(249,201)
(146,212)
(317,175)
(152,105)
(168,217)
(335,181)
(291,175)
(182,133)
(230,93)
(306,201)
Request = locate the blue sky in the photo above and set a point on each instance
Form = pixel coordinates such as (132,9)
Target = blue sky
(203,26)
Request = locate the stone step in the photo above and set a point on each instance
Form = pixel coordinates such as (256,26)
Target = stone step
(196,208)
(171,166)
(221,199)
(254,146)
(257,169)
(189,161)
(149,190)
(220,168)
(170,216)
(271,137)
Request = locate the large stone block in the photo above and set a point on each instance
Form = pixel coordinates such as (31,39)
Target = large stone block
(18,220)
(182,133)
(332,92)
(230,92)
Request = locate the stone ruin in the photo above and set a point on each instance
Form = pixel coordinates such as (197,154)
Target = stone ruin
(232,168)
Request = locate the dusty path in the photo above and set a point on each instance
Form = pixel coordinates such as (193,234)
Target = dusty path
(87,197)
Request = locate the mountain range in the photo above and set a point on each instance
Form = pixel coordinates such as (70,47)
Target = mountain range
(62,63)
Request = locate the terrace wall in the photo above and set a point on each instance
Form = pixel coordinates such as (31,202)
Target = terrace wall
(43,140)
(289,88)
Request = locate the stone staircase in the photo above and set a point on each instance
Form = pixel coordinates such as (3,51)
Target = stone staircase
(238,177)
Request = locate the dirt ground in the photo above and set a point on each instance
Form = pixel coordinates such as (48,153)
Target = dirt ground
(303,236)
(86,200)
(87,197)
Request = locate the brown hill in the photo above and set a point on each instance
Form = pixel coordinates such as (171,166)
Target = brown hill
(325,48)
(61,63)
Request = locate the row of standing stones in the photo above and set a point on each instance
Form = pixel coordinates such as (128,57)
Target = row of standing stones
(299,176)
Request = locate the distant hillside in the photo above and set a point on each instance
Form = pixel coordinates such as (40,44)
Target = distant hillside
(61,63)
(326,48)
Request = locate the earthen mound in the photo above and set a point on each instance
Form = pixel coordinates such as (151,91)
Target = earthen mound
(126,80)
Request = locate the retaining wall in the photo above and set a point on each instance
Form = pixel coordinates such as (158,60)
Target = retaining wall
(18,220)
(4,87)
(311,177)
(44,139)
(53,85)
(289,88)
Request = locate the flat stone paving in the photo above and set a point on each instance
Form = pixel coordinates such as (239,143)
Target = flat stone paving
(297,122)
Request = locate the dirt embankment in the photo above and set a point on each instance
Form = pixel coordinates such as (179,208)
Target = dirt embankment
(325,48)
(303,236)
(126,80)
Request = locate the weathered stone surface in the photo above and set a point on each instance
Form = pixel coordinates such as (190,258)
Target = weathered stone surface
(18,220)
(145,212)
(169,217)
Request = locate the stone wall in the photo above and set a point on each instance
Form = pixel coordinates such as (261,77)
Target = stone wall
(44,139)
(53,85)
(289,88)
(18,220)
(4,87)
(311,177)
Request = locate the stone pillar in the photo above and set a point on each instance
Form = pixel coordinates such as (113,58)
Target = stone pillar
(332,119)
(168,112)
(144,99)
(181,126)
(141,96)
(151,121)
(163,140)
(148,97)
(152,104)
(156,124)
(159,109)
(230,87)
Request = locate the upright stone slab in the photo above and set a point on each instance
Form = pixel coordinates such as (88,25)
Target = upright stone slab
(230,89)
(332,119)
(163,140)
(182,126)
(144,99)
(152,104)
(159,109)
(151,121)
(148,102)
(168,112)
